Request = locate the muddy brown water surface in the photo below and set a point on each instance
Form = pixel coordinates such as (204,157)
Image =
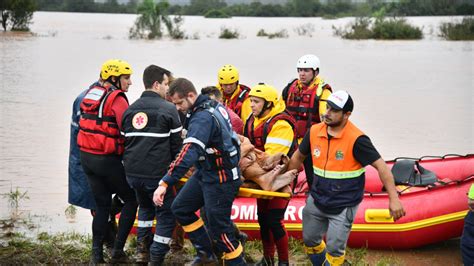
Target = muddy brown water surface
(413,98)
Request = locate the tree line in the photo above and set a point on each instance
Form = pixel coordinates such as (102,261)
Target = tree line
(293,8)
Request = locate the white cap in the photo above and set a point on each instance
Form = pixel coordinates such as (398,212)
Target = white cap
(341,100)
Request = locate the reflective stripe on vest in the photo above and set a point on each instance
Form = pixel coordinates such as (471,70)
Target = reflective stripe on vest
(334,158)
(338,174)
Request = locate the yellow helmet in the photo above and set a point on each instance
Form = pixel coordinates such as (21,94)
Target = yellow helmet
(228,74)
(115,67)
(266,92)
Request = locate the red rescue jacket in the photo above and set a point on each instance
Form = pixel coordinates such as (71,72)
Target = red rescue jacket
(99,132)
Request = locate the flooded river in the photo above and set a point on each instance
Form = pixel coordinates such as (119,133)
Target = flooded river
(413,98)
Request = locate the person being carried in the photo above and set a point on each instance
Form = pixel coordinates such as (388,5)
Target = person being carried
(213,148)
(152,140)
(339,152)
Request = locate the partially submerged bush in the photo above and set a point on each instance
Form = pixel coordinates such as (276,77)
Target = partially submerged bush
(279,34)
(229,34)
(458,31)
(360,29)
(305,30)
(216,13)
(382,28)
(394,29)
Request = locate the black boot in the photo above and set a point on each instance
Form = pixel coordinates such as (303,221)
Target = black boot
(157,261)
(97,255)
(204,259)
(143,250)
(283,263)
(266,261)
(118,256)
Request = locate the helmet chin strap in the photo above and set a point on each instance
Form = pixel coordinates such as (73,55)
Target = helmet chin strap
(267,105)
(117,83)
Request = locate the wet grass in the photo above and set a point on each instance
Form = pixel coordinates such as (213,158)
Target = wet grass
(45,249)
(74,248)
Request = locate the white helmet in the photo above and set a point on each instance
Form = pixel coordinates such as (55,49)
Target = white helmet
(308,61)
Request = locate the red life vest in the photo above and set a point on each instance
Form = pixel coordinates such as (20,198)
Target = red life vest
(302,102)
(235,104)
(98,129)
(258,135)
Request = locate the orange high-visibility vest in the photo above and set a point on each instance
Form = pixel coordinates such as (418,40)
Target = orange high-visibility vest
(333,158)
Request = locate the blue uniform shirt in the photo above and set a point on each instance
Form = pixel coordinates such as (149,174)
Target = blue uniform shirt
(204,139)
(80,193)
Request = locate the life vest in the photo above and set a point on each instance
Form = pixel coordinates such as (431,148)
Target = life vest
(339,177)
(227,156)
(98,129)
(302,102)
(235,103)
(258,135)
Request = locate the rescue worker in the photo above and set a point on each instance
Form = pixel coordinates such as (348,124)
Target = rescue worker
(339,153)
(152,140)
(235,94)
(79,192)
(305,100)
(215,94)
(271,129)
(213,148)
(467,238)
(101,146)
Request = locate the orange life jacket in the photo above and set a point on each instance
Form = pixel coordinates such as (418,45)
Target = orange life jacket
(99,132)
(302,102)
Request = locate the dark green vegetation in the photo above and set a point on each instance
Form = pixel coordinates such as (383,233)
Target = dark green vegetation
(151,18)
(381,28)
(16,15)
(110,6)
(463,30)
(277,34)
(229,34)
(293,8)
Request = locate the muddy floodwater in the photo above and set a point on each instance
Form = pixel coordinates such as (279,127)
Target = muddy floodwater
(413,98)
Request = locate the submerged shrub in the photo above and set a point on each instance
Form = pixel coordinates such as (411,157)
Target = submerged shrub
(381,28)
(305,30)
(229,34)
(395,29)
(279,34)
(458,31)
(360,29)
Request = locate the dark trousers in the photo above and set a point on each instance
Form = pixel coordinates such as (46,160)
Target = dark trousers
(106,176)
(467,240)
(217,201)
(165,221)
